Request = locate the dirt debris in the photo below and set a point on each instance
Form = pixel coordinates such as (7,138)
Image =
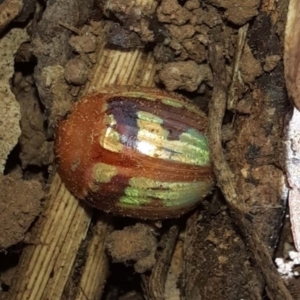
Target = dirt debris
(181,33)
(195,49)
(184,75)
(76,71)
(170,11)
(137,243)
(9,10)
(50,45)
(192,4)
(163,54)
(19,206)
(133,17)
(83,43)
(250,67)
(121,37)
(208,16)
(9,108)
(35,148)
(271,62)
(238,11)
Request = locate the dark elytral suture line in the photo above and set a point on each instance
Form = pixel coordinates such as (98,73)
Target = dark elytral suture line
(226,180)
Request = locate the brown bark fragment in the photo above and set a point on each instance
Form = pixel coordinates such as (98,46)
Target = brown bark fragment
(217,263)
(227,180)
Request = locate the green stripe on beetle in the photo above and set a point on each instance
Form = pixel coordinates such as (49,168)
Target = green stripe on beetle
(191,148)
(197,147)
(146,116)
(143,190)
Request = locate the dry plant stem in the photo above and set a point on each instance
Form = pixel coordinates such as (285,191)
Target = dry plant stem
(154,285)
(91,276)
(235,72)
(275,287)
(46,267)
(71,28)
(51,253)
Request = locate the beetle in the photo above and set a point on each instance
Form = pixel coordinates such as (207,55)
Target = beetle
(137,152)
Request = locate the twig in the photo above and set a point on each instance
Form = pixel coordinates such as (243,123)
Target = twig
(69,27)
(235,72)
